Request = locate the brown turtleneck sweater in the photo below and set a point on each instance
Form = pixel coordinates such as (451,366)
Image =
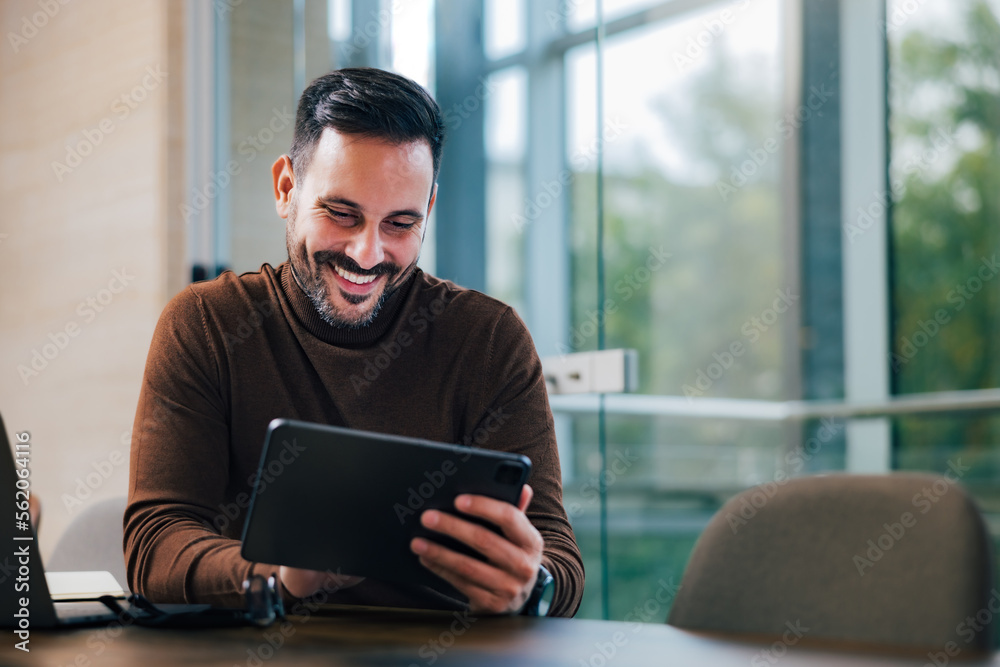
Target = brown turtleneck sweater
(229,355)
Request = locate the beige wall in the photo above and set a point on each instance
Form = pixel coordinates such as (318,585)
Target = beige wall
(262,83)
(92,142)
(63,236)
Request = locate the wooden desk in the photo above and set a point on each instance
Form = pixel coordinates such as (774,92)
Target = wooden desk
(413,640)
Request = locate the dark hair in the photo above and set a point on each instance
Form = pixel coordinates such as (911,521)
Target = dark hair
(369,102)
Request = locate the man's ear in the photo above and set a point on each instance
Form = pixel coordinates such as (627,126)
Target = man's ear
(430,206)
(434,194)
(284,184)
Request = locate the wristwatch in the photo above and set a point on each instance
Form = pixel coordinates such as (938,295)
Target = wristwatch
(541,595)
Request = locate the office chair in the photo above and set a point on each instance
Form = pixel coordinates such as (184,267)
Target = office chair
(93,541)
(900,561)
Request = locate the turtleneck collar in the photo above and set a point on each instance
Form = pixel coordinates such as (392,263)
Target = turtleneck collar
(342,336)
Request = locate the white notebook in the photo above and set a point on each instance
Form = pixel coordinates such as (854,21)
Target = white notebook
(67,586)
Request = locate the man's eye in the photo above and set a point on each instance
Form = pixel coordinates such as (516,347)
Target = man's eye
(340,216)
(401,225)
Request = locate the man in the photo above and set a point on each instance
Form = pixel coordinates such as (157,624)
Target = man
(347,332)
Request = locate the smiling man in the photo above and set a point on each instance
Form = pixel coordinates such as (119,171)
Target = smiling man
(300,341)
(349,248)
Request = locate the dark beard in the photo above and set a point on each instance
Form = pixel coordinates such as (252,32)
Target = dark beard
(310,278)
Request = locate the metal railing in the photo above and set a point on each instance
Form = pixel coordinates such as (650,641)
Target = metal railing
(681,407)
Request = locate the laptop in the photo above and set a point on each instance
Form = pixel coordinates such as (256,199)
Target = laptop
(25,602)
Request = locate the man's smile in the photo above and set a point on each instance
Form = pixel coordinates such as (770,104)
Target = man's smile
(353,277)
(356,285)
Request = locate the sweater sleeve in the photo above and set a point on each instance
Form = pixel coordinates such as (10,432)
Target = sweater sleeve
(516,418)
(176,548)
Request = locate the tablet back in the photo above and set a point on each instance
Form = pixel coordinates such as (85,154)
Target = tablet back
(330,498)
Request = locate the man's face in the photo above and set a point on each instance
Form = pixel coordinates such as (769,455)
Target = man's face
(356,221)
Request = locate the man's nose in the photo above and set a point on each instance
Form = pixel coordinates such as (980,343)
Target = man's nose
(365,247)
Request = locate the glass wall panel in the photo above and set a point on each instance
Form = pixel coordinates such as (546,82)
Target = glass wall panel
(694,276)
(581,158)
(944,167)
(694,250)
(504,28)
(506,135)
(413,42)
(665,479)
(582,14)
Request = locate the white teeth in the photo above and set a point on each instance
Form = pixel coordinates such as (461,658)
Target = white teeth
(353,277)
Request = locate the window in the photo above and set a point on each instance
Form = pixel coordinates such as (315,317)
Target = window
(944,83)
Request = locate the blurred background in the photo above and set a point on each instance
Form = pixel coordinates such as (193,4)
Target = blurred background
(788,208)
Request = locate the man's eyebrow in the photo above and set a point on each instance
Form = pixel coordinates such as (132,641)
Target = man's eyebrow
(405,213)
(330,201)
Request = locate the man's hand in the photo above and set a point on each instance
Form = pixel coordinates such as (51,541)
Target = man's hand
(503,583)
(302,583)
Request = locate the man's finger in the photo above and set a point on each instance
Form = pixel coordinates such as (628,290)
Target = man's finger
(497,549)
(459,566)
(510,519)
(527,493)
(487,588)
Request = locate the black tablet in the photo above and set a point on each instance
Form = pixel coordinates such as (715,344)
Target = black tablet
(347,501)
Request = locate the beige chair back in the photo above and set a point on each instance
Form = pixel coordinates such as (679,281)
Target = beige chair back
(900,560)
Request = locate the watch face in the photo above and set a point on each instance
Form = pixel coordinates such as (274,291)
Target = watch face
(548,591)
